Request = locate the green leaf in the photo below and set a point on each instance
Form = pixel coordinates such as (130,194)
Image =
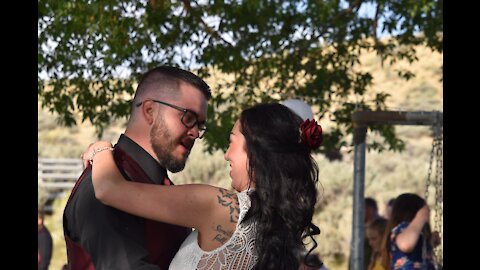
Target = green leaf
(266,50)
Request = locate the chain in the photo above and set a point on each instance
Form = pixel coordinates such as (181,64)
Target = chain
(436,152)
(427,185)
(439,198)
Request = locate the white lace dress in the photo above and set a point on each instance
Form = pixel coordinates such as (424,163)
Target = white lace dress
(237,253)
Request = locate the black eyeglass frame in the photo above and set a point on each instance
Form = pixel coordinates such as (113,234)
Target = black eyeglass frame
(202,128)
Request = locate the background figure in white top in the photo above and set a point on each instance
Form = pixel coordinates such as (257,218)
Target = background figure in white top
(260,227)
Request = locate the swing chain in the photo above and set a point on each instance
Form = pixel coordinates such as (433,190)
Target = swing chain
(427,185)
(437,139)
(439,197)
(436,152)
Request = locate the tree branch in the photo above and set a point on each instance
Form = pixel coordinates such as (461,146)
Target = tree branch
(207,28)
(377,42)
(302,51)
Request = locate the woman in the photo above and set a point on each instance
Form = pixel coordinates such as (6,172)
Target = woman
(407,243)
(260,227)
(375,231)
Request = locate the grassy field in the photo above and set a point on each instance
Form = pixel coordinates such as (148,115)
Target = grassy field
(387,174)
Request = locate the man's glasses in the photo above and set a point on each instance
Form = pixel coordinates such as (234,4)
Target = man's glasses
(189,118)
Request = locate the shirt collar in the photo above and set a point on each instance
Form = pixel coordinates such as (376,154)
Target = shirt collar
(148,164)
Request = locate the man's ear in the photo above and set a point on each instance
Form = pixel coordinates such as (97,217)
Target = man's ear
(148,111)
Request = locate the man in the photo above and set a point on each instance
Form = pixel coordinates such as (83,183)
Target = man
(371,210)
(168,114)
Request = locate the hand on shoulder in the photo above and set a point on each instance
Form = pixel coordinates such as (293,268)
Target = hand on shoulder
(93,149)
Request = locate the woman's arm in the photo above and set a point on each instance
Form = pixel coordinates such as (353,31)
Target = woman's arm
(184,205)
(407,239)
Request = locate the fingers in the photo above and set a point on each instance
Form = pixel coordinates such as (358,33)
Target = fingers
(85,160)
(89,152)
(85,156)
(85,163)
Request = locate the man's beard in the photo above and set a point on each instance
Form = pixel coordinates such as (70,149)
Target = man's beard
(163,145)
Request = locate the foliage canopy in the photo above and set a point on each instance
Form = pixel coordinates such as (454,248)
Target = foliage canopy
(92,52)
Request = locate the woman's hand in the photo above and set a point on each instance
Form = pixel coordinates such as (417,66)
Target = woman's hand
(85,156)
(92,149)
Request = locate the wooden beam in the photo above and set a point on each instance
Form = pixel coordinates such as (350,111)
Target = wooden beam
(366,118)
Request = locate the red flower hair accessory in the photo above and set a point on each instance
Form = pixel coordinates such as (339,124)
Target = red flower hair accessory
(311,134)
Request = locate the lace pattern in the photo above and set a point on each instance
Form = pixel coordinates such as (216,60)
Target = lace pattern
(237,253)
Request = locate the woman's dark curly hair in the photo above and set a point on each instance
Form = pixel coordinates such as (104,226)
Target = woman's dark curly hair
(285,177)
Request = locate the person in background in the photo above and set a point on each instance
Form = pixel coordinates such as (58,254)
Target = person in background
(260,225)
(375,232)
(388,208)
(408,245)
(45,243)
(371,213)
(371,210)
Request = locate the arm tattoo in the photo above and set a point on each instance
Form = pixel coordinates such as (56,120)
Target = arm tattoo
(222,235)
(229,200)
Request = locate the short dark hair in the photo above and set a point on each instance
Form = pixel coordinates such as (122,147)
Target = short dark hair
(371,203)
(406,207)
(391,202)
(168,77)
(379,224)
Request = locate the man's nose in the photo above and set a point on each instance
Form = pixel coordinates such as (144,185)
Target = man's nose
(194,132)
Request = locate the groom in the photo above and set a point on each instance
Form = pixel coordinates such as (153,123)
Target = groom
(168,114)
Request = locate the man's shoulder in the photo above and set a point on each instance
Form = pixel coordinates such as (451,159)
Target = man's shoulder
(83,184)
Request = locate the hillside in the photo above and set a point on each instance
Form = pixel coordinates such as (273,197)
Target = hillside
(387,174)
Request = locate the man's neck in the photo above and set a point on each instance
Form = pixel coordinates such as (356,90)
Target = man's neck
(141,140)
